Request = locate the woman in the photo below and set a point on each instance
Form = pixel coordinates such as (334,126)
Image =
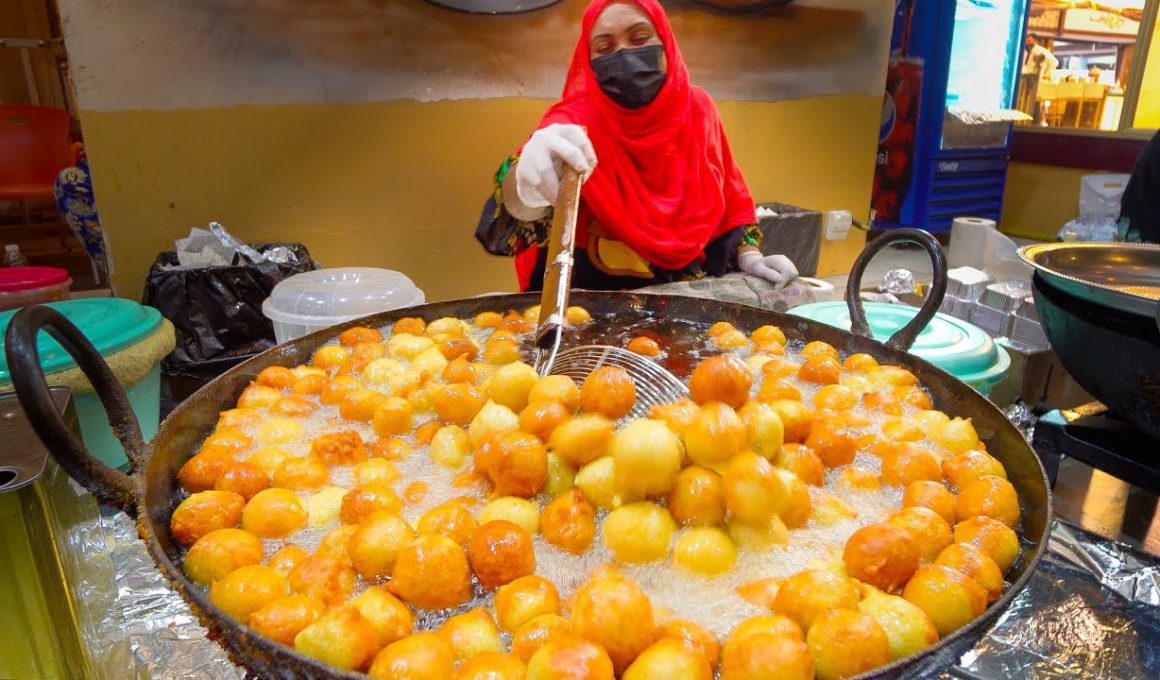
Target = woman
(663,199)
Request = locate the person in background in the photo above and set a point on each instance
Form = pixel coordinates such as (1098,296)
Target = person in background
(1140,205)
(1038,64)
(663,199)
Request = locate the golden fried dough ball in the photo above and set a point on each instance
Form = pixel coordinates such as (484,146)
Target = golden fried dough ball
(339,448)
(201,472)
(301,473)
(806,594)
(500,552)
(278,377)
(500,352)
(432,572)
(764,624)
(647,456)
(830,510)
(457,403)
(614,613)
(609,391)
(450,447)
(932,495)
(388,415)
(541,418)
(375,470)
(329,357)
(569,522)
(523,600)
(359,334)
(846,642)
(336,540)
(715,435)
(764,428)
(561,476)
(389,448)
(375,545)
(582,439)
(803,462)
(460,370)
(365,499)
(949,597)
(882,555)
(258,396)
(772,390)
(899,430)
(285,558)
(759,535)
(956,436)
(832,442)
(488,319)
(450,519)
(835,398)
(963,468)
(930,421)
(226,440)
(761,592)
(723,378)
(931,532)
(768,334)
(906,462)
(558,388)
(860,363)
(455,347)
(766,656)
(638,532)
(668,658)
(204,512)
(491,420)
(969,560)
(697,497)
(705,550)
(408,346)
(491,666)
(448,325)
(471,633)
(235,418)
(422,656)
(341,637)
(325,576)
(908,629)
(570,658)
(819,348)
(219,552)
(796,419)
(597,480)
(577,315)
(247,589)
(821,369)
(720,328)
(511,385)
(995,539)
(521,464)
(644,346)
(989,496)
(798,507)
(778,368)
(361,405)
(334,390)
(694,637)
(310,383)
(753,489)
(855,477)
(538,632)
(282,619)
(244,479)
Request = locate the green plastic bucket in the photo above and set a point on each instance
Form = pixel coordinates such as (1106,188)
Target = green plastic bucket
(132,338)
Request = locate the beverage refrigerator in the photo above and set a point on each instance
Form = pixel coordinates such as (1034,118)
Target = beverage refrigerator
(944,142)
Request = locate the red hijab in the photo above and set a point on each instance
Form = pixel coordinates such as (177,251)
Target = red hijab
(665,182)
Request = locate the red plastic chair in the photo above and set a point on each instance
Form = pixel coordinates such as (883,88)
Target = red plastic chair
(35,146)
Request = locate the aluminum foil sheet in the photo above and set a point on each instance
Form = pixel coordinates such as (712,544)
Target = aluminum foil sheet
(898,282)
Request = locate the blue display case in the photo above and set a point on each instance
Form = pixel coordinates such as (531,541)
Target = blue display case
(949,59)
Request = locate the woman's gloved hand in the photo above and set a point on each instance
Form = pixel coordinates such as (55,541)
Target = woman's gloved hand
(538,170)
(777,269)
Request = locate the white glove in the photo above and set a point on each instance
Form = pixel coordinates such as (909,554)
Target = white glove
(538,170)
(777,269)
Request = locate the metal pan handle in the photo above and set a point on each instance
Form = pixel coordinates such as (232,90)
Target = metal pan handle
(110,486)
(906,336)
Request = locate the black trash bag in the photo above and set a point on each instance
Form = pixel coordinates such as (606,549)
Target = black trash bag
(217,311)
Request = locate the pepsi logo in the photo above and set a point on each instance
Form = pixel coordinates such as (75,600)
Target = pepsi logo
(889,118)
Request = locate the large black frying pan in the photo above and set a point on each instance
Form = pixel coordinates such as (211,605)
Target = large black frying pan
(152,492)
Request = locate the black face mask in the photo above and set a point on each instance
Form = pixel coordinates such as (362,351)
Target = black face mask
(631,77)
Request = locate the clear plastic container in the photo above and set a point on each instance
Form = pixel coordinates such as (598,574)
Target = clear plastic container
(308,302)
(21,286)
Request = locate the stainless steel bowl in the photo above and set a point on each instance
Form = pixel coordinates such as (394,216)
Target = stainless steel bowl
(1122,276)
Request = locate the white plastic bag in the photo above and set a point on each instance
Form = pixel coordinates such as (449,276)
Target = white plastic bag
(1099,196)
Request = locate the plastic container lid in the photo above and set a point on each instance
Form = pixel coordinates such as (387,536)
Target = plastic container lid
(111,324)
(337,295)
(959,348)
(23,279)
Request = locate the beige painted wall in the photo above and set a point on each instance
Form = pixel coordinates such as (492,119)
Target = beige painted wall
(1040,199)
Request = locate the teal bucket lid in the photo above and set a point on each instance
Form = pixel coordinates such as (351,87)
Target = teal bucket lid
(111,324)
(957,347)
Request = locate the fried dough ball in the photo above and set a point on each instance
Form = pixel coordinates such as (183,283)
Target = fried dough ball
(956,436)
(301,473)
(778,368)
(932,495)
(204,512)
(798,506)
(279,430)
(488,319)
(638,532)
(772,390)
(492,420)
(831,510)
(450,519)
(705,550)
(455,347)
(538,632)
(219,552)
(511,385)
(908,629)
(336,540)
(282,619)
(930,532)
(235,418)
(519,511)
(668,658)
(694,637)
(358,335)
(989,496)
(558,388)
(835,398)
(582,439)
(500,552)
(375,470)
(330,357)
(720,328)
(523,600)
(806,594)
(365,499)
(722,378)
(201,472)
(284,559)
(569,522)
(796,419)
(971,561)
(226,440)
(803,462)
(388,415)
(949,597)
(846,642)
(831,442)
(278,377)
(860,363)
(765,656)
(520,466)
(448,325)
(609,391)
(335,389)
(325,576)
(963,468)
(375,545)
(501,352)
(471,633)
(759,535)
(407,345)
(821,369)
(339,448)
(899,430)
(432,572)
(761,592)
(247,589)
(450,447)
(460,370)
(931,421)
(644,346)
(422,656)
(570,658)
(491,666)
(614,613)
(597,480)
(763,624)
(244,479)
(715,435)
(855,477)
(905,462)
(697,497)
(362,404)
(341,637)
(882,555)
(993,538)
(457,403)
(647,456)
(753,489)
(258,396)
(310,383)
(541,418)
(764,428)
